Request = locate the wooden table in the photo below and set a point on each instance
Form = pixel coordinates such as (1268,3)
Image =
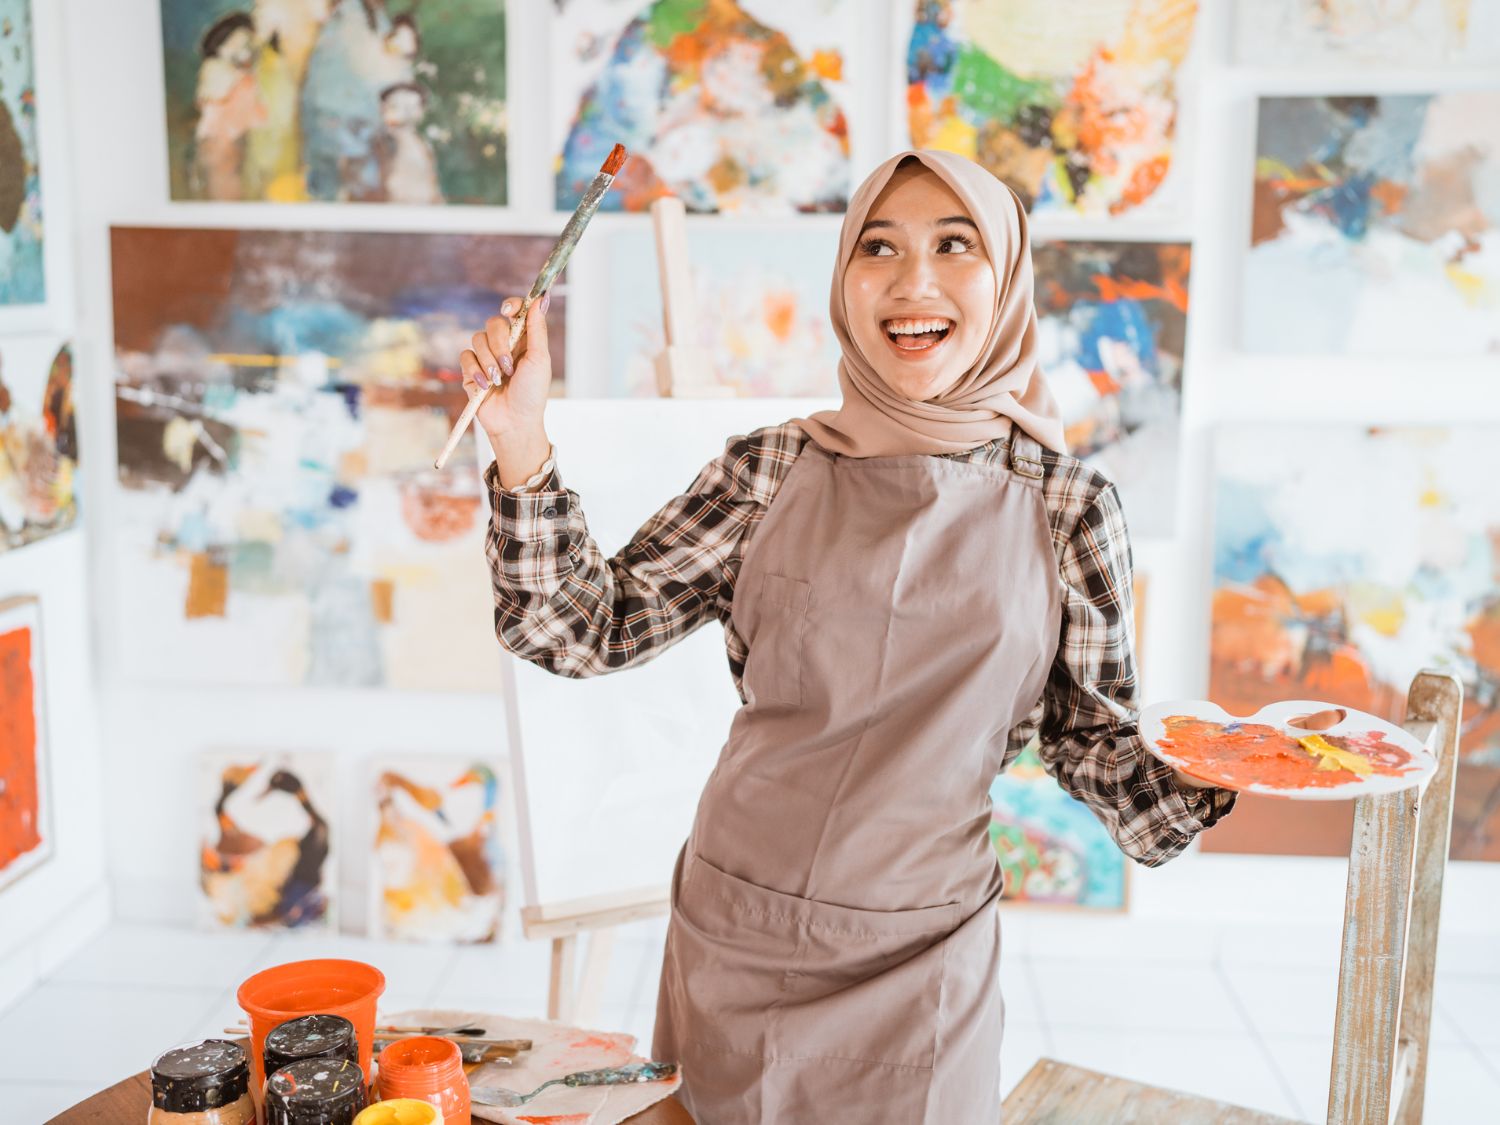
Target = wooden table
(126,1103)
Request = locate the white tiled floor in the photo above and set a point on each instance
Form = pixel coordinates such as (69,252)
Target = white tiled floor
(1241,1014)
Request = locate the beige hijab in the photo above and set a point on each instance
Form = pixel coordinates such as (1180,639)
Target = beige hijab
(1004,384)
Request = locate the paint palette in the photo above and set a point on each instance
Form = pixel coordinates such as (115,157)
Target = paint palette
(1298,748)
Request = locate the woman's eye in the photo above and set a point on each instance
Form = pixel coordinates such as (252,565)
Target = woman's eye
(966,244)
(874,247)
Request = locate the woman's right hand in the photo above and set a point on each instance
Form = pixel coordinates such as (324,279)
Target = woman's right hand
(517,407)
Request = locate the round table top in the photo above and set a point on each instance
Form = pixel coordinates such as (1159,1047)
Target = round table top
(128,1102)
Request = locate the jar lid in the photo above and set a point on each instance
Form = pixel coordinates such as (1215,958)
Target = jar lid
(310,1037)
(315,1092)
(206,1075)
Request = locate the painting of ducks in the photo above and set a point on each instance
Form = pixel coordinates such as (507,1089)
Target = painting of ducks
(265,857)
(437,865)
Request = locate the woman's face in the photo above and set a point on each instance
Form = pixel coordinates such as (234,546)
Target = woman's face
(920,290)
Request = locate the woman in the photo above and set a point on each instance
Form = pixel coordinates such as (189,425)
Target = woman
(912,587)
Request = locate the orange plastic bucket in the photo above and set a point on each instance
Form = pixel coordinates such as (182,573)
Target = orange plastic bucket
(303,988)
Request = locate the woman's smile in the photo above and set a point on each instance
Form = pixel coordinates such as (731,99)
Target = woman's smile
(917,337)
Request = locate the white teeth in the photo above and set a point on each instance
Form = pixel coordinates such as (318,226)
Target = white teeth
(913,327)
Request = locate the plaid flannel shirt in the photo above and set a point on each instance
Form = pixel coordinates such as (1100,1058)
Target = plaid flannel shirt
(561,604)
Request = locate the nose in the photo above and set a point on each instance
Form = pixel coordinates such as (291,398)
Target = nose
(915,279)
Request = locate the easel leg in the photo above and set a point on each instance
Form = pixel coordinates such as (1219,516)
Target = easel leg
(560,998)
(595,969)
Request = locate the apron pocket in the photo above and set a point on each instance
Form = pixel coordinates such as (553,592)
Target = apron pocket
(789,978)
(774,667)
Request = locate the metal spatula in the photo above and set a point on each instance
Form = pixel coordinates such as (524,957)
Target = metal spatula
(610,1076)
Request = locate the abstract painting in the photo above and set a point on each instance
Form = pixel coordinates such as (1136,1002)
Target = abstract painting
(21,266)
(369,101)
(1345,561)
(25,822)
(762,301)
(1377,225)
(437,868)
(266,841)
(1075,106)
(1052,850)
(1359,33)
(732,105)
(280,397)
(38,443)
(1112,320)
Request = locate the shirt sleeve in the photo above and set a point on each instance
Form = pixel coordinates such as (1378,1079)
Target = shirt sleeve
(561,604)
(1087,717)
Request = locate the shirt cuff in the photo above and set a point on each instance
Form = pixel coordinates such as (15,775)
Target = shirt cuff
(532,483)
(531,515)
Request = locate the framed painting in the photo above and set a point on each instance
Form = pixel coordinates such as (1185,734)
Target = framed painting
(437,860)
(38,441)
(22,261)
(266,844)
(734,106)
(1340,575)
(351,101)
(1376,228)
(1361,33)
(280,397)
(26,833)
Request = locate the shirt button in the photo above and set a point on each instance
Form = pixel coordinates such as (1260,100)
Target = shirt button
(550,512)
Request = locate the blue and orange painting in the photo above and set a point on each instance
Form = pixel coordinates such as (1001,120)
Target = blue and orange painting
(22,279)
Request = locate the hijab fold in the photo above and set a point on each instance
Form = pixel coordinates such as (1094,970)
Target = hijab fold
(1003,386)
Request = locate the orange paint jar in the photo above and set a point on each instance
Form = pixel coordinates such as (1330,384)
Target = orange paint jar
(428,1069)
(303,988)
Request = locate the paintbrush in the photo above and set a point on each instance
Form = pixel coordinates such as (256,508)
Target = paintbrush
(553,266)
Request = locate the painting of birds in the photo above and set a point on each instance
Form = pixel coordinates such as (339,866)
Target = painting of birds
(265,860)
(438,866)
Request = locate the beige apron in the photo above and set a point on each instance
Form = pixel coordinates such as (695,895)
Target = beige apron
(833,952)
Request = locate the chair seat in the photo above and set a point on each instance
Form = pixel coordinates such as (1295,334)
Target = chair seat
(1055,1093)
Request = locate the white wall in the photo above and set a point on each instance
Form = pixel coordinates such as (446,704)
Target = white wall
(52,910)
(114,69)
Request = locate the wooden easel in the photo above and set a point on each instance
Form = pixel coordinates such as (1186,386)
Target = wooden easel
(1397,857)
(683,370)
(571,998)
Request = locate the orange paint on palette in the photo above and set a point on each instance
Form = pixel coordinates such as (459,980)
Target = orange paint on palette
(1243,754)
(20,803)
(559,1119)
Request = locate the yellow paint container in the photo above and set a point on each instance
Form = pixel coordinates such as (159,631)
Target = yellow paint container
(400,1111)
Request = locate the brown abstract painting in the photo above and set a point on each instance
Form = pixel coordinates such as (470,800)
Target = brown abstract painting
(280,398)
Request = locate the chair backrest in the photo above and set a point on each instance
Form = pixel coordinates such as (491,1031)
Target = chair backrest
(1396,862)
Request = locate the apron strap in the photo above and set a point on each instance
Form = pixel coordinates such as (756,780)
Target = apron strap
(1025,454)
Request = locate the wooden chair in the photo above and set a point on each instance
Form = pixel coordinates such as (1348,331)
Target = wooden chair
(1396,863)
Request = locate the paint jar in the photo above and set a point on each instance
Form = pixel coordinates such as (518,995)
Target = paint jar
(315,1092)
(402,1111)
(305,988)
(310,1037)
(207,1083)
(429,1069)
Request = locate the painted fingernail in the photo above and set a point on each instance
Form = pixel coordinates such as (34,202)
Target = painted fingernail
(546,300)
(494,373)
(480,378)
(507,365)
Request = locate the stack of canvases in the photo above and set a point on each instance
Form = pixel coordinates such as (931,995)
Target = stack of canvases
(280,393)
(38,450)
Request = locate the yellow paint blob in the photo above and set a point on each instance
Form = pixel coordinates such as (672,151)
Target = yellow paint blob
(401,1111)
(1331,757)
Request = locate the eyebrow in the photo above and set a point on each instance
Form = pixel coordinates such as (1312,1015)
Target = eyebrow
(874,224)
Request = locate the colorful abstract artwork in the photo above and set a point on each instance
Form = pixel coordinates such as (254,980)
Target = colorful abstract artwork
(437,868)
(22,279)
(762,302)
(1052,849)
(732,105)
(1376,226)
(1353,33)
(38,443)
(280,398)
(266,843)
(1075,106)
(1346,560)
(1112,320)
(25,823)
(371,101)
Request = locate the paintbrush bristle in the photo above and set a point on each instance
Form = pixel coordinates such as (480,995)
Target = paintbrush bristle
(613,162)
